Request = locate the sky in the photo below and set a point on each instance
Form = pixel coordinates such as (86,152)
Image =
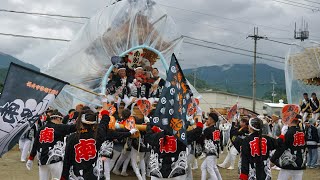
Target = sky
(226,22)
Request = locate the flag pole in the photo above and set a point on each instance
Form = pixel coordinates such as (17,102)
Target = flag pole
(86,90)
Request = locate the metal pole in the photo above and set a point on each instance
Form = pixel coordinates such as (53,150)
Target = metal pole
(256,37)
(273,93)
(254,71)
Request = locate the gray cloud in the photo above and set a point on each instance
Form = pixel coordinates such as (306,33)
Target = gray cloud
(211,28)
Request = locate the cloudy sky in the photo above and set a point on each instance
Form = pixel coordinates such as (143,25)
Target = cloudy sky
(227,22)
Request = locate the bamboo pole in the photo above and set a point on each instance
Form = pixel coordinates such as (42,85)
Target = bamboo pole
(86,90)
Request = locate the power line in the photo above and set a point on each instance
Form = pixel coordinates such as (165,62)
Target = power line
(34,37)
(230,19)
(312,1)
(313,9)
(223,45)
(294,5)
(67,40)
(300,3)
(44,14)
(233,52)
(50,17)
(76,22)
(278,42)
(209,25)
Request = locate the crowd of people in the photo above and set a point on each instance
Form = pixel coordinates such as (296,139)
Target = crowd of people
(84,145)
(127,84)
(90,143)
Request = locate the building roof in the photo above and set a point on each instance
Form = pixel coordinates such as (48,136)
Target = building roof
(275,105)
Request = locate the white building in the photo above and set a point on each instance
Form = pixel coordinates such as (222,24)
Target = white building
(215,99)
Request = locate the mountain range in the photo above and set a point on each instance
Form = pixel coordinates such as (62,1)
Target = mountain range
(5,61)
(237,78)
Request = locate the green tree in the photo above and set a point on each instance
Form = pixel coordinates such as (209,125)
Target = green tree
(280,94)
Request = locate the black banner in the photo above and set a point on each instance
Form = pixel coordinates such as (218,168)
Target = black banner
(171,111)
(25,96)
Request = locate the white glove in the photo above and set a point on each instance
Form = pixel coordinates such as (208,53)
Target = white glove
(146,119)
(29,164)
(192,122)
(132,131)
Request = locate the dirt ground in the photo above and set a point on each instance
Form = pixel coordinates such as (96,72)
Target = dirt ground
(12,169)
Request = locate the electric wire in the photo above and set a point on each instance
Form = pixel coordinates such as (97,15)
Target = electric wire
(67,40)
(230,19)
(313,9)
(44,14)
(223,45)
(233,52)
(301,4)
(34,37)
(312,1)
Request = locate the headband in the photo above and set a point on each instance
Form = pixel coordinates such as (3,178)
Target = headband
(252,126)
(83,120)
(56,116)
(138,68)
(121,69)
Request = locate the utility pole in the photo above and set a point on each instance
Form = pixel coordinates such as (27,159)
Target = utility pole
(255,37)
(273,82)
(273,93)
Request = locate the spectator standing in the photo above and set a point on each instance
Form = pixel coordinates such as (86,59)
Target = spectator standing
(312,143)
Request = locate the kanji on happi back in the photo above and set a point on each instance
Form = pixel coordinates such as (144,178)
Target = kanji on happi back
(171,110)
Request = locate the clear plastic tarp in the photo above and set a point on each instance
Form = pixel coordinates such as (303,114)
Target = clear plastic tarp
(112,31)
(302,70)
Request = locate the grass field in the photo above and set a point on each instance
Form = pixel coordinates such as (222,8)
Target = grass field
(12,169)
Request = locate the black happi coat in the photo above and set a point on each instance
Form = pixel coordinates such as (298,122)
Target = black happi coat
(49,143)
(168,158)
(312,137)
(118,138)
(140,92)
(113,139)
(290,154)
(304,106)
(196,145)
(118,84)
(237,135)
(211,141)
(314,104)
(143,145)
(82,152)
(255,166)
(157,93)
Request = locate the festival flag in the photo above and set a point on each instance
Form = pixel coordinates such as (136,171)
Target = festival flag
(171,111)
(232,112)
(289,113)
(25,96)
